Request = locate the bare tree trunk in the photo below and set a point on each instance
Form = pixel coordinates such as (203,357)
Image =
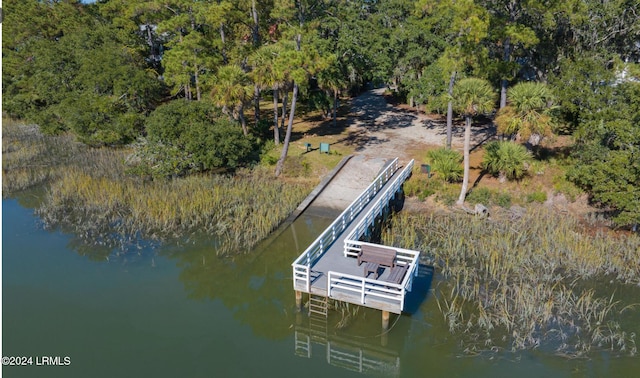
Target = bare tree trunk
(187,91)
(256,26)
(197,81)
(276,127)
(287,137)
(335,108)
(285,98)
(152,50)
(225,60)
(467,146)
(504,82)
(450,110)
(256,103)
(243,121)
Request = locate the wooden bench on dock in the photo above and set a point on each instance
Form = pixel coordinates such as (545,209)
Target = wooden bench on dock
(397,273)
(379,255)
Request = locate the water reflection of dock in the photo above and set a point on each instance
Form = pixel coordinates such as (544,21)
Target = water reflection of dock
(344,352)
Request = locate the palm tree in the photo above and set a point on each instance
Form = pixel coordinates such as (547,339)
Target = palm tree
(472,96)
(267,72)
(300,66)
(528,113)
(232,89)
(332,80)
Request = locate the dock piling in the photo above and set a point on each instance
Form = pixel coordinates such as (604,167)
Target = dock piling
(385,320)
(298,300)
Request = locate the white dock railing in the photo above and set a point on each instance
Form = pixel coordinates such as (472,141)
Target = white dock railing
(352,244)
(372,288)
(302,265)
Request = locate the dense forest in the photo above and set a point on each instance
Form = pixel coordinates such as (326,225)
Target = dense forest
(184,80)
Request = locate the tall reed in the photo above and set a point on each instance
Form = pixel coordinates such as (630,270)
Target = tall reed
(91,194)
(529,280)
(239,210)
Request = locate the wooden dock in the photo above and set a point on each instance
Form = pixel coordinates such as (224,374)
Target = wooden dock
(329,266)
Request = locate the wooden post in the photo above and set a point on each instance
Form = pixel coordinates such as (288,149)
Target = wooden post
(298,300)
(385,320)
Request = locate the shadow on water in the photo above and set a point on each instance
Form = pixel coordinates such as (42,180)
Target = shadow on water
(420,291)
(256,287)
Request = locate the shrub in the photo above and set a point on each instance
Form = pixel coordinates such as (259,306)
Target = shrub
(188,136)
(503,200)
(506,159)
(566,187)
(448,194)
(413,186)
(480,195)
(447,163)
(268,155)
(537,196)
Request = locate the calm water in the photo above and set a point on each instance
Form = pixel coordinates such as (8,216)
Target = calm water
(183,312)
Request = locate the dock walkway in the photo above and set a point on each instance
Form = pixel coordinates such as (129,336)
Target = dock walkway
(329,266)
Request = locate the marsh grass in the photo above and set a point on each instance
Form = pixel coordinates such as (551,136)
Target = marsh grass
(527,280)
(30,159)
(238,210)
(90,194)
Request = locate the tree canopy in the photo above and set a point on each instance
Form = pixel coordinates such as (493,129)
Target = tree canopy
(100,70)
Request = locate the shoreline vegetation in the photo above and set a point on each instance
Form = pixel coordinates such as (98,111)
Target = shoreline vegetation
(524,278)
(90,192)
(527,280)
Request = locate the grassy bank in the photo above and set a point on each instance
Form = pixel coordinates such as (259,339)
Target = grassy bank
(527,280)
(90,193)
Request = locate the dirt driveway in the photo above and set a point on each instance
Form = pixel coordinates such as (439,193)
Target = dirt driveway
(379,129)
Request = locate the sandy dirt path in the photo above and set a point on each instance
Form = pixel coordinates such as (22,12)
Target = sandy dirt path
(381,132)
(379,129)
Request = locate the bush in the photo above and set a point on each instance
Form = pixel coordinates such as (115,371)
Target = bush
(318,100)
(480,195)
(506,159)
(268,155)
(413,186)
(566,187)
(448,195)
(537,196)
(188,136)
(503,200)
(422,187)
(447,163)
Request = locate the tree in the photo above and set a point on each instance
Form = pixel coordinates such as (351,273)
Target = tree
(528,113)
(510,32)
(301,63)
(332,80)
(190,51)
(582,87)
(138,20)
(268,71)
(505,159)
(607,154)
(191,136)
(232,91)
(465,25)
(472,96)
(86,79)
